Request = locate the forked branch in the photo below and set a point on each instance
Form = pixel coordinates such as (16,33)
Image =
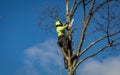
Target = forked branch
(95,42)
(95,53)
(85,28)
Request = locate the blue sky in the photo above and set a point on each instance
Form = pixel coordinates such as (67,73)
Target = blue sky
(18,30)
(24,48)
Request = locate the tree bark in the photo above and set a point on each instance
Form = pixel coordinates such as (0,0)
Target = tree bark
(68,17)
(71,72)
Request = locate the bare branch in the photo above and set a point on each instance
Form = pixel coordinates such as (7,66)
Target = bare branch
(110,19)
(67,6)
(77,5)
(64,54)
(50,14)
(84,10)
(95,42)
(91,55)
(84,29)
(73,6)
(88,2)
(108,23)
(95,53)
(103,3)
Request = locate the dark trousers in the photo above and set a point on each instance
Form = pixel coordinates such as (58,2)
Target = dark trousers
(62,42)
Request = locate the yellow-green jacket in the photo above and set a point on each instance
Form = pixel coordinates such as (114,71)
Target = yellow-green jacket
(61,30)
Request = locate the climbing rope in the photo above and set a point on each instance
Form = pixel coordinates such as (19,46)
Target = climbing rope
(74,40)
(59,62)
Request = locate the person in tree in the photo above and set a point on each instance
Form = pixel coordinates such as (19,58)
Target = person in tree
(62,39)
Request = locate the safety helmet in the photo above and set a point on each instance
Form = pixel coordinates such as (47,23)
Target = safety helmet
(57,23)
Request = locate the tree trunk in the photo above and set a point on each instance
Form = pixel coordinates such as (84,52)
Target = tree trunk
(70,72)
(68,17)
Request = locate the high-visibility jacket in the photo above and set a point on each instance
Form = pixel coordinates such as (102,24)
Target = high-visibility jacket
(61,30)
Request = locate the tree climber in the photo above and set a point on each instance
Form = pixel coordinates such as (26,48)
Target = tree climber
(62,39)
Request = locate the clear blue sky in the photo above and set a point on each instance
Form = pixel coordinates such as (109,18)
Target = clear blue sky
(24,48)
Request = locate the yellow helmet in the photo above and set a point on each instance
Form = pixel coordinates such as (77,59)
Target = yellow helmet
(57,23)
